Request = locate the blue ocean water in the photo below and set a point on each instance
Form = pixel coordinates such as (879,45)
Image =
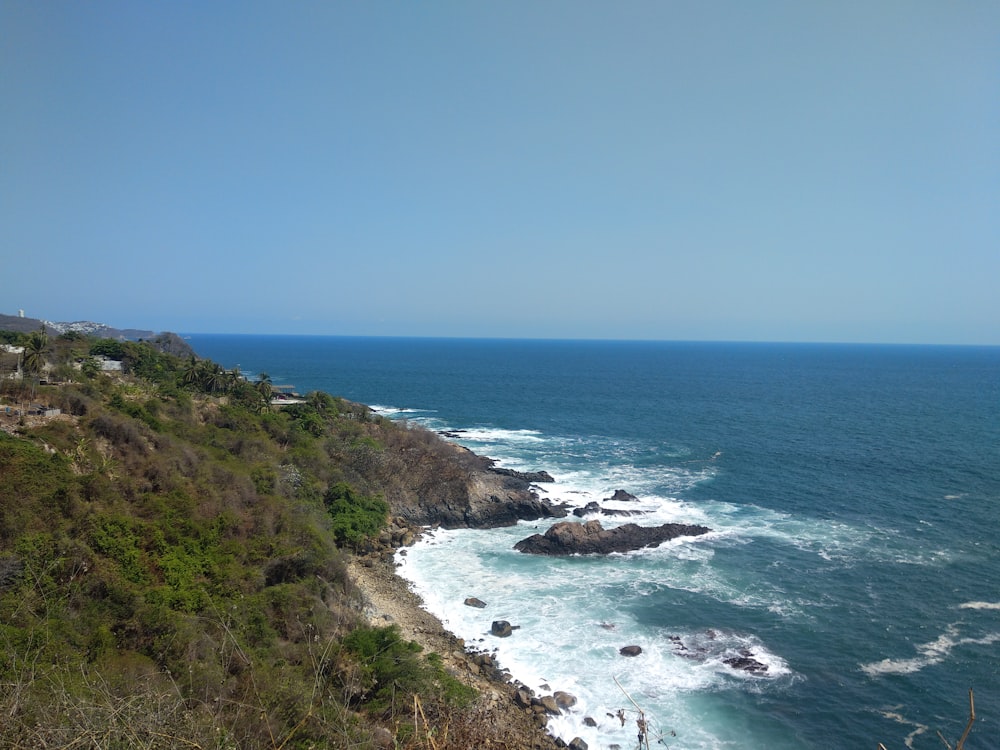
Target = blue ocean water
(853,492)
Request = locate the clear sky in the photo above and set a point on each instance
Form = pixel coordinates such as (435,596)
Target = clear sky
(728,170)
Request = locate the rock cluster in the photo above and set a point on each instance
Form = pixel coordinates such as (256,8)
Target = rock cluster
(570,538)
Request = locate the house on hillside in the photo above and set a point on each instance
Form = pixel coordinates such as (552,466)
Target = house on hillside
(11,362)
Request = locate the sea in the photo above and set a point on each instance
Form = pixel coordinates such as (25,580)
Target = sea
(853,497)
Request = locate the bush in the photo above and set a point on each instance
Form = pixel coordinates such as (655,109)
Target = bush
(356,518)
(388,665)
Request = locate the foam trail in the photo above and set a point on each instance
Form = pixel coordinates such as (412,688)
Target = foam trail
(931,653)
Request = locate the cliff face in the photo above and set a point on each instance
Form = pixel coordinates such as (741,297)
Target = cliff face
(430,482)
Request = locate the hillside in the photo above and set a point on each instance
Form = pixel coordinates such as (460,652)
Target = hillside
(175,555)
(19,324)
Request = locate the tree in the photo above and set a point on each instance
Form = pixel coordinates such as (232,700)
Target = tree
(34,352)
(263,387)
(213,377)
(191,374)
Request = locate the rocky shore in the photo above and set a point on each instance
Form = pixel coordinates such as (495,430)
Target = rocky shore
(500,711)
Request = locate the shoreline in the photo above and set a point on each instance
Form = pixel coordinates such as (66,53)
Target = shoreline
(388,600)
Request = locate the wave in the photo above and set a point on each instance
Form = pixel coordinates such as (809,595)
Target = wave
(979,605)
(929,654)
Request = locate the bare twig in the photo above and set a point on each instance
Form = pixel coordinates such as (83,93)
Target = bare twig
(641,722)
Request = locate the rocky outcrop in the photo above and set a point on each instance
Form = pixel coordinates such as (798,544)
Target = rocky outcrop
(630,650)
(593,507)
(474,602)
(436,483)
(570,538)
(621,496)
(746,662)
(535,477)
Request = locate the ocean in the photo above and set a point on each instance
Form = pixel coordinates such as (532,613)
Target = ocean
(853,492)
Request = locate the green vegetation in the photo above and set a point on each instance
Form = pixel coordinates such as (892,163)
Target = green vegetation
(173,558)
(356,519)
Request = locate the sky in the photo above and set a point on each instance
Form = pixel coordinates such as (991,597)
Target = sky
(675,170)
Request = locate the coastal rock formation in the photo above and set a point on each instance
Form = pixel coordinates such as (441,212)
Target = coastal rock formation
(501,629)
(570,538)
(747,663)
(593,507)
(431,482)
(621,496)
(474,602)
(564,699)
(630,650)
(535,477)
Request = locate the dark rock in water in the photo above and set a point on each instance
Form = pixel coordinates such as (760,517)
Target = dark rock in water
(588,509)
(620,512)
(577,744)
(746,663)
(630,650)
(571,538)
(588,721)
(592,507)
(564,699)
(621,496)
(474,602)
(501,628)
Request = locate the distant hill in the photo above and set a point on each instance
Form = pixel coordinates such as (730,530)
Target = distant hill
(26,325)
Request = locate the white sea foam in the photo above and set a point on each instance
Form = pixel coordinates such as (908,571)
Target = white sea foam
(928,654)
(571,627)
(918,729)
(979,605)
(562,604)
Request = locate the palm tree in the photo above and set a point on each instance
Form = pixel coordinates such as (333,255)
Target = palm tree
(192,372)
(233,378)
(212,376)
(263,386)
(34,352)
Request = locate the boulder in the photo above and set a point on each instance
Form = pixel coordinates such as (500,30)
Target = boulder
(474,602)
(550,704)
(577,744)
(572,538)
(564,699)
(501,628)
(630,650)
(621,496)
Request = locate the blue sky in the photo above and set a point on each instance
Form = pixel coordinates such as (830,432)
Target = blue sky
(791,171)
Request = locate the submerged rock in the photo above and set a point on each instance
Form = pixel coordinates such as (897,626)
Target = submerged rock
(630,650)
(501,628)
(746,663)
(570,538)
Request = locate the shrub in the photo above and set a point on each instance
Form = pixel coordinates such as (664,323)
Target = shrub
(355,518)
